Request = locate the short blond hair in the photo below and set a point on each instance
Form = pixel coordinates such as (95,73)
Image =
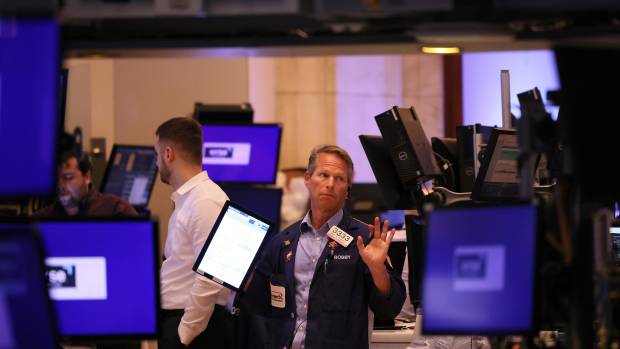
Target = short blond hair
(331,149)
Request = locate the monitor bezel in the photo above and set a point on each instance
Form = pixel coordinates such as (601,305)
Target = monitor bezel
(108,170)
(256,258)
(279,145)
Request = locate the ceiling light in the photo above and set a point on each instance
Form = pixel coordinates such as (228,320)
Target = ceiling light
(440,50)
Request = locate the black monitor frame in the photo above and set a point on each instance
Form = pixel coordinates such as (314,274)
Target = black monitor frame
(394,193)
(108,170)
(277,162)
(112,338)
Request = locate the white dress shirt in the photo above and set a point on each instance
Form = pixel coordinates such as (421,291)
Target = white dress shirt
(197,204)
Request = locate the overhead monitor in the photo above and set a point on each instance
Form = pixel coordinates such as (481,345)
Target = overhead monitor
(267,202)
(29,124)
(498,177)
(131,173)
(26,315)
(241,153)
(479,270)
(394,193)
(103,277)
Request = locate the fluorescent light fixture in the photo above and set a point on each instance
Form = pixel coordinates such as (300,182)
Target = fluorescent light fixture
(440,50)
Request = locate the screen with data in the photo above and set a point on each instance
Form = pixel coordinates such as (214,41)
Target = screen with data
(233,245)
(131,173)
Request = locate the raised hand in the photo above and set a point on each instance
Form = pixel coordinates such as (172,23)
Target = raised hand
(375,253)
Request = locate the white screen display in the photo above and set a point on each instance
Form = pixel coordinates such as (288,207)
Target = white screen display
(233,247)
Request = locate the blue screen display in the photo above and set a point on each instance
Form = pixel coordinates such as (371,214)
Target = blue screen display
(241,153)
(26,318)
(29,82)
(479,270)
(264,201)
(102,277)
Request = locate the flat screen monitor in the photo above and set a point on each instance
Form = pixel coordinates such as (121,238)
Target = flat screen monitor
(241,153)
(498,177)
(394,194)
(131,173)
(29,124)
(103,277)
(267,202)
(26,314)
(615,243)
(479,270)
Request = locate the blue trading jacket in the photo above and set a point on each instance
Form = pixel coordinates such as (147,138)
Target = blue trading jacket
(339,297)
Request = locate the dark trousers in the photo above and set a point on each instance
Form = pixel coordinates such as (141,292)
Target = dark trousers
(218,333)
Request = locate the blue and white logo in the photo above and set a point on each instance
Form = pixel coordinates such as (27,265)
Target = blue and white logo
(479,268)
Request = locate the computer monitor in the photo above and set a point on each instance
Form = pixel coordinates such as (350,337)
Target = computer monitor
(241,153)
(479,270)
(498,177)
(29,124)
(131,173)
(26,315)
(103,278)
(415,257)
(267,202)
(395,195)
(615,242)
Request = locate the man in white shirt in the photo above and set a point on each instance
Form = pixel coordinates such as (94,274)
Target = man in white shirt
(193,313)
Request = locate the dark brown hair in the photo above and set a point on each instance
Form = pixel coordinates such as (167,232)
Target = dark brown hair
(185,134)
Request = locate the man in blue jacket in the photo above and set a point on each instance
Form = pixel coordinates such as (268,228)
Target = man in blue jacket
(318,277)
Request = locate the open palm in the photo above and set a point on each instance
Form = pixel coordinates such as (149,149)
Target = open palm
(375,253)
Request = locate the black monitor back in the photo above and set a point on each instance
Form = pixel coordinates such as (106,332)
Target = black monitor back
(395,196)
(415,256)
(224,113)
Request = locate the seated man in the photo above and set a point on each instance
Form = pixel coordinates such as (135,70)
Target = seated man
(318,277)
(76,197)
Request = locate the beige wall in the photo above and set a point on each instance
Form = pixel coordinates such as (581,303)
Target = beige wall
(124,100)
(149,91)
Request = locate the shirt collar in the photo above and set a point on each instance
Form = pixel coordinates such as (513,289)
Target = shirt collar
(306,223)
(190,184)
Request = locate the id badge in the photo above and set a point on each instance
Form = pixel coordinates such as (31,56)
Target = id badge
(340,236)
(278,296)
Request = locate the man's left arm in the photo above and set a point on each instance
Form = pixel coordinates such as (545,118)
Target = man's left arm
(388,292)
(204,292)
